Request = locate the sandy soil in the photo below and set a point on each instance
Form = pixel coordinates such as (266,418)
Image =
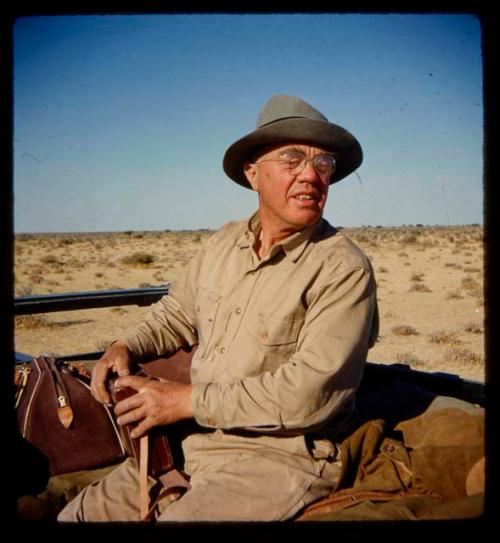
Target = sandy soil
(430,284)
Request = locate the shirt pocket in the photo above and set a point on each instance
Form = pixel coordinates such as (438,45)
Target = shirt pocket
(276,331)
(207,308)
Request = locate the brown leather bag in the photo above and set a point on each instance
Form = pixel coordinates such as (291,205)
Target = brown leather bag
(57,414)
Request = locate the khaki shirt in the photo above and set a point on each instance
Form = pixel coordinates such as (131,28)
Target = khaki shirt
(282,341)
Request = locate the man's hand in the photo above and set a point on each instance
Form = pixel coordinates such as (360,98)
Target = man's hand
(118,359)
(156,403)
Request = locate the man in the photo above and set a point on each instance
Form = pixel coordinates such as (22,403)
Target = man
(282,308)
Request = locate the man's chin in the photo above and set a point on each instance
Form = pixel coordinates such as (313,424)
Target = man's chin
(305,217)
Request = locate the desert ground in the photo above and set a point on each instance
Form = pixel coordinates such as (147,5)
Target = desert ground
(430,289)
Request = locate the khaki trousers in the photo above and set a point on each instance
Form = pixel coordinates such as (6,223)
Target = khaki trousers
(229,482)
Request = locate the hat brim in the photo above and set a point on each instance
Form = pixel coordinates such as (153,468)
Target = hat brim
(326,135)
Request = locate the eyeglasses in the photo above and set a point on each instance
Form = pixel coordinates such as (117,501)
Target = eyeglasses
(295,162)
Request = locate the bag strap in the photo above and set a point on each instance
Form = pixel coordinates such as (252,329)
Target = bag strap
(143,477)
(173,481)
(20,381)
(64,410)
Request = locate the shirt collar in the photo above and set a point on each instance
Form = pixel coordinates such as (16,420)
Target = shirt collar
(293,246)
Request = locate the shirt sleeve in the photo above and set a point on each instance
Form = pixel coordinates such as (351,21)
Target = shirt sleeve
(171,323)
(318,381)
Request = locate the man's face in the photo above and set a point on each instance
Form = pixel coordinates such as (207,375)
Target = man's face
(292,194)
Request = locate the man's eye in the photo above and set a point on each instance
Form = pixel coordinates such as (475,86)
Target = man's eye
(324,162)
(292,157)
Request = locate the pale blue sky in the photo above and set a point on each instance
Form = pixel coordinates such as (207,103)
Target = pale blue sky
(121,122)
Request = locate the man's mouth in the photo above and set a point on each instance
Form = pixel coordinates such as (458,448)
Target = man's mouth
(307,197)
(304,197)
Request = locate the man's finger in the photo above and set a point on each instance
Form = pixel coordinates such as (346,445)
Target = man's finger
(134,381)
(143,427)
(121,366)
(98,387)
(131,416)
(119,355)
(132,402)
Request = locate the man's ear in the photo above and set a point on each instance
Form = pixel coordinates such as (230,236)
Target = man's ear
(250,171)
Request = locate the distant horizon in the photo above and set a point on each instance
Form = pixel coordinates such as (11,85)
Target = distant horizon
(190,230)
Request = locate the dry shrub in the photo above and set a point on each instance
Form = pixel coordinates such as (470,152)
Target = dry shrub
(50,259)
(469,283)
(416,276)
(473,287)
(360,238)
(67,241)
(454,295)
(427,243)
(464,356)
(409,239)
(473,328)
(139,259)
(31,321)
(24,290)
(158,276)
(444,338)
(419,287)
(410,359)
(404,330)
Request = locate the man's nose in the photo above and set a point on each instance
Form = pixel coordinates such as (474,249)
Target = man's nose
(309,173)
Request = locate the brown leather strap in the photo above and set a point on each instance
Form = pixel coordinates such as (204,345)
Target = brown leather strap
(143,477)
(349,497)
(64,409)
(172,485)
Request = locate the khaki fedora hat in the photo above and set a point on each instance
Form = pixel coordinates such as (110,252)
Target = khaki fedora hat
(288,119)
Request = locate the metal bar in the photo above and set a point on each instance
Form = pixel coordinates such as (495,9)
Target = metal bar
(47,303)
(20,358)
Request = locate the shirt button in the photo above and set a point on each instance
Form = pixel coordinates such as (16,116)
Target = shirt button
(237,310)
(222,350)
